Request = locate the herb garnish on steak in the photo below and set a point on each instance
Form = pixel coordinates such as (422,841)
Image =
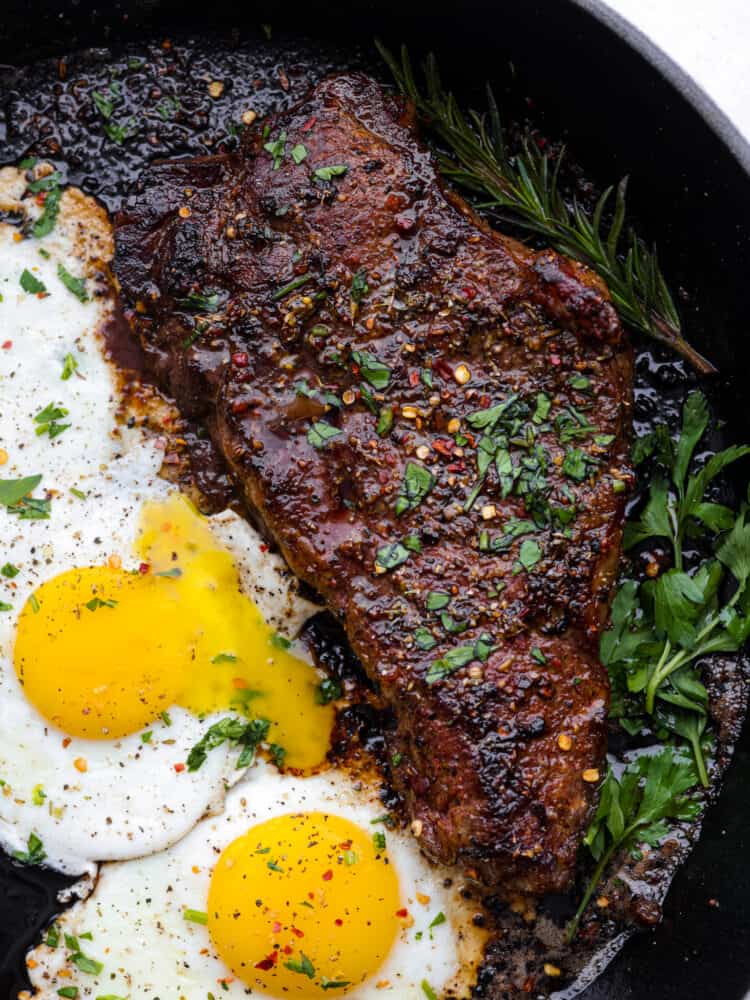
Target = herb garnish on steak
(432,421)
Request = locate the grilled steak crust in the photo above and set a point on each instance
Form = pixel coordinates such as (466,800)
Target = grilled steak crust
(470,547)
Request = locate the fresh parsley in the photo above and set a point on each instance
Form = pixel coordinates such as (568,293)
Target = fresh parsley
(372,370)
(415,486)
(248,735)
(634,809)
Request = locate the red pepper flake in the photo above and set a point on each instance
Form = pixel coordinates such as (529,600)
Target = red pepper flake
(263,547)
(469,292)
(402,913)
(443,447)
(339,922)
(66,742)
(268,963)
(143,568)
(443,369)
(297,932)
(327,876)
(413,378)
(308,124)
(179,767)
(240,406)
(276,926)
(456,467)
(240,359)
(346,846)
(7,344)
(555,359)
(288,950)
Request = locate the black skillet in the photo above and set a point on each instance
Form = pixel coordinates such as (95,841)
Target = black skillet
(622,107)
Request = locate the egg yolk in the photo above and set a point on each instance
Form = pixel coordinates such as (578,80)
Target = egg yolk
(303,905)
(102,651)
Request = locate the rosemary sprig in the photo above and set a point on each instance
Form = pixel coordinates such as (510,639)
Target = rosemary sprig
(523,188)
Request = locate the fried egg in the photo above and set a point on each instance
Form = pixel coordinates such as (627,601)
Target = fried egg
(129,624)
(298,888)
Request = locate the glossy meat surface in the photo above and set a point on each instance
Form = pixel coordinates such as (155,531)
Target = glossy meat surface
(433,423)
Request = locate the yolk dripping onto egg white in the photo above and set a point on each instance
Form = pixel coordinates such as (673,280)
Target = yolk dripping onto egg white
(101,651)
(304,905)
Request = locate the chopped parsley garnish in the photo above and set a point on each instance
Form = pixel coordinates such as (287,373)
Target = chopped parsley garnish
(391,556)
(78,493)
(31,284)
(333,984)
(104,106)
(529,554)
(4,606)
(38,795)
(34,853)
(580,382)
(9,571)
(292,286)
(45,183)
(328,173)
(538,655)
(86,964)
(385,422)
(428,991)
(52,939)
(117,133)
(328,690)
(359,288)
(70,365)
(195,916)
(248,735)
(278,754)
(200,302)
(299,153)
(459,657)
(277,149)
(13,491)
(304,966)
(166,718)
(424,638)
(75,285)
(372,370)
(224,658)
(575,464)
(46,221)
(70,992)
(96,602)
(437,600)
(437,920)
(280,641)
(415,486)
(47,421)
(320,433)
(378,841)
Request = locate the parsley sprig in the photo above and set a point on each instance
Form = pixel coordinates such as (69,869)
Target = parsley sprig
(634,809)
(663,626)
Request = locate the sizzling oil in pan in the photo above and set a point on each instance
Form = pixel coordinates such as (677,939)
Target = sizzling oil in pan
(188,97)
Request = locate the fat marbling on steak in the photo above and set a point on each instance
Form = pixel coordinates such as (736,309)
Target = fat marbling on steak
(432,422)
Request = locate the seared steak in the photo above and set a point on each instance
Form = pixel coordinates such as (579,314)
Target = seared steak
(432,422)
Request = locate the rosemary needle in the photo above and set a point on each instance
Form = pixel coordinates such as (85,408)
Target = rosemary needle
(523,188)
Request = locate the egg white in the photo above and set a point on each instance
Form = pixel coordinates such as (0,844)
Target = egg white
(130,801)
(149,950)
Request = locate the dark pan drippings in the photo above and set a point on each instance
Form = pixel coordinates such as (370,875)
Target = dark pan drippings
(189,98)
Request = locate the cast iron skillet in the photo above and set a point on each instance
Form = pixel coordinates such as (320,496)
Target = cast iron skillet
(622,107)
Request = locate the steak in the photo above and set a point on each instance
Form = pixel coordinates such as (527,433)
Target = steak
(432,422)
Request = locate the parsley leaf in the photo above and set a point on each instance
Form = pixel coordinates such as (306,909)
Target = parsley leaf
(415,486)
(633,810)
(248,735)
(320,434)
(31,284)
(75,285)
(372,370)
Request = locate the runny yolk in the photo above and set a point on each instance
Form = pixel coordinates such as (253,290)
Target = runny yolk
(102,651)
(303,905)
